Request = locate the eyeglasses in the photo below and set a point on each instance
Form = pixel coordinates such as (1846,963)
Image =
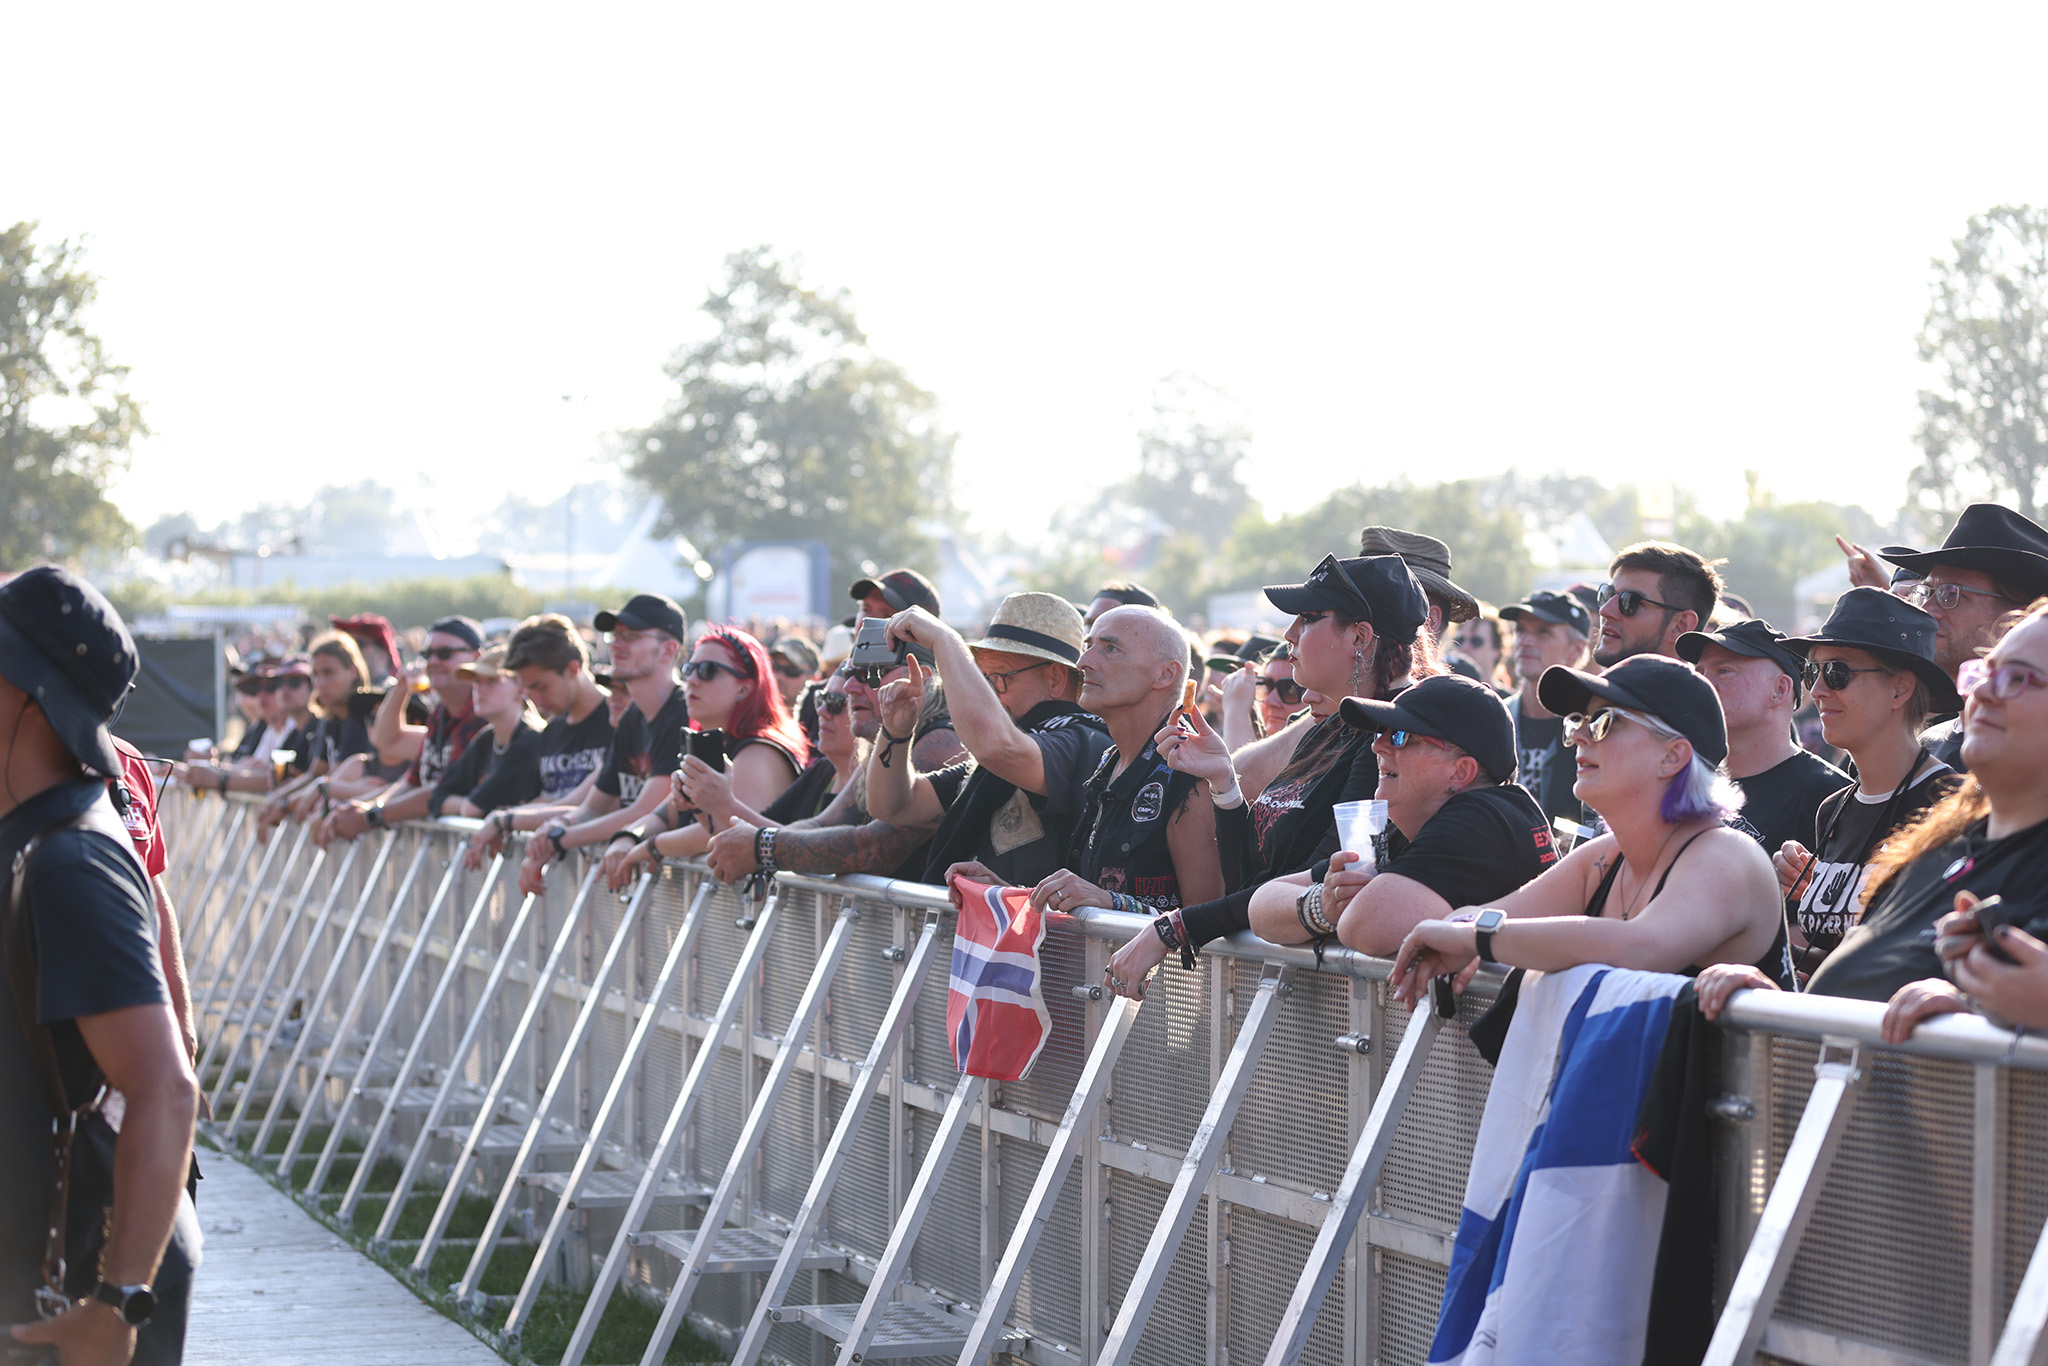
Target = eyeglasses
(1401,739)
(1836,673)
(1580,728)
(834,702)
(1288,690)
(1946,596)
(1001,681)
(792,671)
(2003,681)
(1629,601)
(705,670)
(441,654)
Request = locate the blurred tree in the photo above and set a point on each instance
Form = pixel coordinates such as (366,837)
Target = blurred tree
(1984,427)
(786,425)
(66,421)
(1188,459)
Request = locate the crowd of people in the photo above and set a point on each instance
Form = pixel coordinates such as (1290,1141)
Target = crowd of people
(1610,773)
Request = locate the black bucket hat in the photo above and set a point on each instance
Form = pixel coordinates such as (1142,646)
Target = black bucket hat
(1673,692)
(63,644)
(1872,620)
(1470,715)
(1378,589)
(1990,539)
(1752,637)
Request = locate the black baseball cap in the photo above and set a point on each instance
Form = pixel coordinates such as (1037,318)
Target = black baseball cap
(1562,609)
(1373,588)
(63,644)
(462,628)
(901,589)
(645,612)
(1254,649)
(1753,637)
(1129,594)
(1675,693)
(1883,624)
(1450,707)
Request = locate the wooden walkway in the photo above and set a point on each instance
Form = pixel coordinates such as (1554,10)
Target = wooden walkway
(277,1288)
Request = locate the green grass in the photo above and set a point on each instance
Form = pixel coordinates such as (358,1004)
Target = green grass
(503,1274)
(621,1335)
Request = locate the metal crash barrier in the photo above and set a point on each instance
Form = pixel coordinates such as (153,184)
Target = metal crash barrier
(744,1110)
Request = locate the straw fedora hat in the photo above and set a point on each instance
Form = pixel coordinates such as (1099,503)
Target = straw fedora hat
(1039,625)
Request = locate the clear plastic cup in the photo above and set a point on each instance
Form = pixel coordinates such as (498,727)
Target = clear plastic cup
(1357,823)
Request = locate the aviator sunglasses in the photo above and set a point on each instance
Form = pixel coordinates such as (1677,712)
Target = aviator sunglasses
(834,702)
(1836,673)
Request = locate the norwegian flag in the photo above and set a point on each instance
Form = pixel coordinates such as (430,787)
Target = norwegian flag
(995,1010)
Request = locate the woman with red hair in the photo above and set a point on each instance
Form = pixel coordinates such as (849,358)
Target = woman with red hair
(731,689)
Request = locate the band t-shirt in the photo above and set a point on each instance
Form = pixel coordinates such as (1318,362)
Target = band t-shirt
(1544,765)
(492,777)
(570,751)
(1852,826)
(1480,845)
(1019,836)
(92,929)
(1781,802)
(1121,845)
(642,750)
(1894,942)
(346,732)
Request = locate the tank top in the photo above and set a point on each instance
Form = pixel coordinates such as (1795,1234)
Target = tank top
(1776,962)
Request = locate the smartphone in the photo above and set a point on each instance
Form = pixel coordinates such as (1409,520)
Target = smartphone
(1992,912)
(708,745)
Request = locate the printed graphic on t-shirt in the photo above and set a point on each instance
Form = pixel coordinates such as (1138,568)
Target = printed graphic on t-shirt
(1015,824)
(1531,763)
(1833,900)
(561,773)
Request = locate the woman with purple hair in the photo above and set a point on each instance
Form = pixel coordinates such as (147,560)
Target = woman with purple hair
(1669,887)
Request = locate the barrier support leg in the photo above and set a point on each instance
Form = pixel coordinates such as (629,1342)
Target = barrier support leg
(1837,1082)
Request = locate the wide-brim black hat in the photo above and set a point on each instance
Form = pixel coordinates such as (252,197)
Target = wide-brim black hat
(1879,623)
(1254,649)
(1990,539)
(1673,692)
(63,644)
(1470,715)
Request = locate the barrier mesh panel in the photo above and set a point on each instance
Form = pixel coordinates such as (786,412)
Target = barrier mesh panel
(1163,1077)
(948,1252)
(1908,1147)
(1410,1290)
(1051,1297)
(1295,1125)
(1178,1330)
(1265,1254)
(1424,1176)
(860,1213)
(2025,1178)
(860,993)
(1044,1093)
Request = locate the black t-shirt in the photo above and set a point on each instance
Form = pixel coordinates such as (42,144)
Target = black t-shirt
(92,927)
(1780,803)
(807,710)
(1851,828)
(448,735)
(491,777)
(1944,740)
(347,732)
(804,798)
(1480,845)
(1124,818)
(643,751)
(1544,764)
(570,751)
(1018,836)
(1894,943)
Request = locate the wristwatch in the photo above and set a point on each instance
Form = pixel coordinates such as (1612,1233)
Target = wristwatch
(135,1302)
(1482,932)
(373,815)
(554,835)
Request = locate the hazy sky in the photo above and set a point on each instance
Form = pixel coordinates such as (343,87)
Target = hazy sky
(386,241)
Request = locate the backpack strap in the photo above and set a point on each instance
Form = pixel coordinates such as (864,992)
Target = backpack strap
(64,1117)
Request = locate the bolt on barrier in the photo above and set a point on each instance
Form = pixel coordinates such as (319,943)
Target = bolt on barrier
(744,1109)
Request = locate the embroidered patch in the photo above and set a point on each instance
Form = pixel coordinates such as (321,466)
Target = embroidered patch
(1151,797)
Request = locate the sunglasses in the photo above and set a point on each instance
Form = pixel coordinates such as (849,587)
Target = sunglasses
(1288,690)
(704,670)
(1836,673)
(280,684)
(441,654)
(1579,727)
(1401,739)
(1629,601)
(792,671)
(834,703)
(2003,681)
(870,676)
(1946,596)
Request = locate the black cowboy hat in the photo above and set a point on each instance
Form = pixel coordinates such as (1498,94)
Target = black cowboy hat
(1990,539)
(1891,628)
